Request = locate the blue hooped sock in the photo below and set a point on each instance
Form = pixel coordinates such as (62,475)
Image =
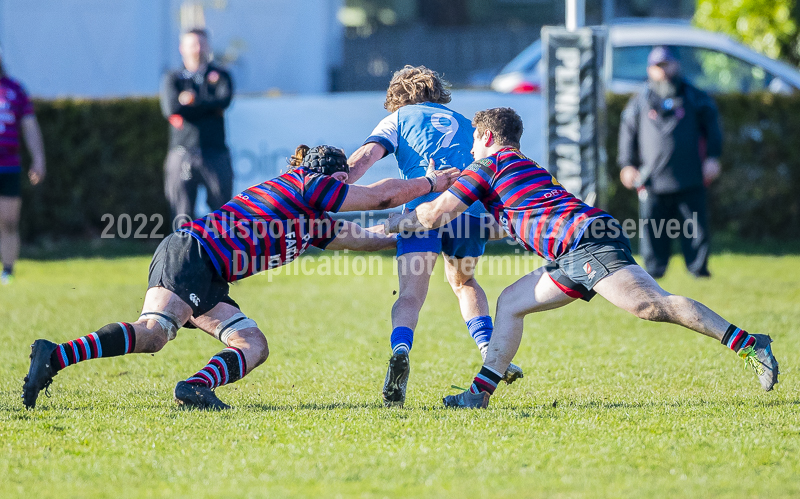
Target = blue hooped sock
(480,328)
(402,338)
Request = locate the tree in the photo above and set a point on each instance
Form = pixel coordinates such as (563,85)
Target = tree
(444,12)
(770,27)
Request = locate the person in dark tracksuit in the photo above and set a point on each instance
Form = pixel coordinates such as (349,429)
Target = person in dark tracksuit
(194,100)
(669,147)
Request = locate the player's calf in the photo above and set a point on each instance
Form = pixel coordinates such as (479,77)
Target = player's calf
(247,349)
(253,345)
(481,328)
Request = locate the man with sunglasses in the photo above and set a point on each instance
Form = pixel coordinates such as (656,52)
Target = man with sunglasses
(669,147)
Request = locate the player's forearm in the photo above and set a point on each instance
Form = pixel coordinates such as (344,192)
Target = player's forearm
(429,217)
(393,192)
(371,241)
(362,160)
(355,238)
(33,140)
(414,220)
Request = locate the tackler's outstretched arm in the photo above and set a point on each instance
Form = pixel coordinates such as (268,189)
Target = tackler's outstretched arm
(430,215)
(392,192)
(352,236)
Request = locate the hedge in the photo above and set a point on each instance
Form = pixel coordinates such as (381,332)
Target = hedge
(757,196)
(102,157)
(106,157)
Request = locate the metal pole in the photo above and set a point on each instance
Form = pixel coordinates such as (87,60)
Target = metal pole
(576,14)
(608,11)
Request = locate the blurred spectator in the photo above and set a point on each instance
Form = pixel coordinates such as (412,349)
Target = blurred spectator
(194,100)
(17,114)
(669,147)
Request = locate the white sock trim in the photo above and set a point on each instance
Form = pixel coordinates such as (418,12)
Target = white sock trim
(401,347)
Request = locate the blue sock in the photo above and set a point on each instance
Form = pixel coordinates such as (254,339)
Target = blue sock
(480,328)
(402,338)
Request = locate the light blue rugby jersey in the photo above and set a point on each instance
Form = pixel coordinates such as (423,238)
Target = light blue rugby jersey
(418,132)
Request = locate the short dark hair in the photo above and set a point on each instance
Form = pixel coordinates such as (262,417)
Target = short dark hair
(198,31)
(504,123)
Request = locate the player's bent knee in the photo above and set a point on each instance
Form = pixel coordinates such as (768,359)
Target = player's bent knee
(167,322)
(508,303)
(235,326)
(149,340)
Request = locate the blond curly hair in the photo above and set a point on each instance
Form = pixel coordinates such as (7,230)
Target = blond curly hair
(414,85)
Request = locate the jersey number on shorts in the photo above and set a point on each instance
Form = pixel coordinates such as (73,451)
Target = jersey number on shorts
(447,125)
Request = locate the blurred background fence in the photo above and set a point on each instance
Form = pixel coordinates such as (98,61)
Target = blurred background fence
(106,157)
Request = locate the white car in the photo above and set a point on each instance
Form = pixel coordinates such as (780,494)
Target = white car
(711,61)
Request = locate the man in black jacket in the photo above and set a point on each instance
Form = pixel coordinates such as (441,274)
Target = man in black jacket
(669,147)
(194,100)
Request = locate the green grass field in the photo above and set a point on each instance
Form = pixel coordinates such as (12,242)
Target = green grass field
(610,406)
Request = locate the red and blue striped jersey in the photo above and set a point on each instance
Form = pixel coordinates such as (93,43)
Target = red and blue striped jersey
(532,206)
(14,104)
(270,224)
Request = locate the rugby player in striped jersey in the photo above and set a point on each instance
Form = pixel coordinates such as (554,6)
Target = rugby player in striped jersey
(587,252)
(266,226)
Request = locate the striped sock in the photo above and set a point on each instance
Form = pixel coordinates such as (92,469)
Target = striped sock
(480,328)
(111,340)
(486,380)
(402,339)
(737,339)
(226,367)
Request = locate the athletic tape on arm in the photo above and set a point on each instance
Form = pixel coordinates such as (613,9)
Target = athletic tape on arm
(236,323)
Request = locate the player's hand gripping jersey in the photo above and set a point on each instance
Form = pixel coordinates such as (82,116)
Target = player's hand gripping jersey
(418,132)
(270,224)
(532,206)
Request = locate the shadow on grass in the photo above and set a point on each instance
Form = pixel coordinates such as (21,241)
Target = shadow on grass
(524,410)
(311,406)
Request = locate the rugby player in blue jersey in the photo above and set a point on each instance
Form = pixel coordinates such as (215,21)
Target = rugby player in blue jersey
(419,130)
(266,226)
(588,254)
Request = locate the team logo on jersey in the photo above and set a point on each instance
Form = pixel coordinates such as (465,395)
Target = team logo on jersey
(213,77)
(587,267)
(194,299)
(477,165)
